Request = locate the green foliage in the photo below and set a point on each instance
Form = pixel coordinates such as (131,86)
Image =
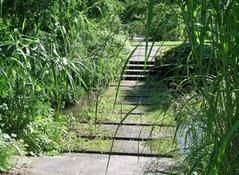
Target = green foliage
(51,54)
(7,150)
(167,23)
(44,135)
(215,118)
(179,67)
(209,116)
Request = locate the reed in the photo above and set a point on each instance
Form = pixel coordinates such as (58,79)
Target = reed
(211,112)
(217,100)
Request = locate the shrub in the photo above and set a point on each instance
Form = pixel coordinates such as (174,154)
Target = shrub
(44,135)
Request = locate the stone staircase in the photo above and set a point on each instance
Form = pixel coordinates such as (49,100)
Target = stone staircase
(133,138)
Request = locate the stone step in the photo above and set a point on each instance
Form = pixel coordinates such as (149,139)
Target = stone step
(142,49)
(91,164)
(139,72)
(129,131)
(143,91)
(124,109)
(130,83)
(132,123)
(137,83)
(139,119)
(145,78)
(122,147)
(143,46)
(140,66)
(136,77)
(141,61)
(136,99)
(120,153)
(140,131)
(134,102)
(135,95)
(93,137)
(137,113)
(138,39)
(133,88)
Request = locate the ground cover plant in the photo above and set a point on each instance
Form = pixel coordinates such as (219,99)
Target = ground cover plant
(6,151)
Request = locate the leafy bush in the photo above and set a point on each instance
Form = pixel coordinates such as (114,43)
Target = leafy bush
(44,135)
(7,150)
(167,22)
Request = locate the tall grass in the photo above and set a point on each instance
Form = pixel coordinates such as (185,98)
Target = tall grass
(210,115)
(214,148)
(51,53)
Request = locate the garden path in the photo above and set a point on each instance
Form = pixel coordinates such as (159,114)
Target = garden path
(132,153)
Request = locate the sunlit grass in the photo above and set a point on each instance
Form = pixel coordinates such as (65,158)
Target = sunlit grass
(161,43)
(79,144)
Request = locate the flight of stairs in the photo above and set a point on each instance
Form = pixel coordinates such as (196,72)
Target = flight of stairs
(132,138)
(140,71)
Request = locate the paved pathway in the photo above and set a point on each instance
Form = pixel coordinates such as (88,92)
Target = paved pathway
(88,164)
(130,155)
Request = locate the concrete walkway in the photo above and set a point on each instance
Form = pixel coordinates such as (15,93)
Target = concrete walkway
(86,164)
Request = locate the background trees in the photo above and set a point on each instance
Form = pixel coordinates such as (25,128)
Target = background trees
(167,22)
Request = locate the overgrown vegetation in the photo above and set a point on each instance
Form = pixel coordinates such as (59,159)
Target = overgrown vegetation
(176,66)
(207,112)
(6,151)
(215,124)
(52,53)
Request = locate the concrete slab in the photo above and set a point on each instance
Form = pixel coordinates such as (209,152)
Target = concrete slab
(87,164)
(136,119)
(138,39)
(135,131)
